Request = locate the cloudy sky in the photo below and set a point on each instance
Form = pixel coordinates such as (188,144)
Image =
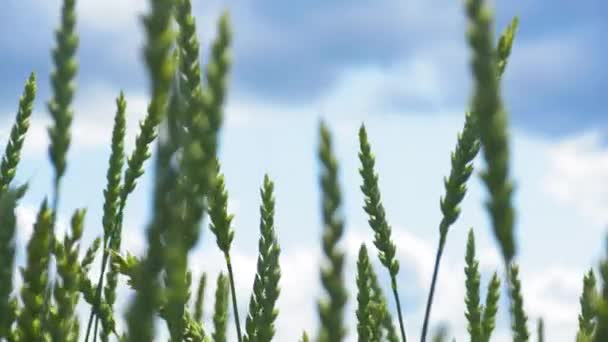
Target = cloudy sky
(399,66)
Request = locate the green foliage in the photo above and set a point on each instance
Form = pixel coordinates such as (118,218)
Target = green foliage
(586,319)
(186,114)
(220,313)
(364,331)
(200,298)
(221,220)
(262,311)
(377,217)
(8,225)
(66,327)
(62,81)
(112,234)
(374,208)
(331,309)
(492,120)
(36,279)
(541,330)
(382,323)
(160,70)
(474,309)
(12,153)
(519,317)
(488,317)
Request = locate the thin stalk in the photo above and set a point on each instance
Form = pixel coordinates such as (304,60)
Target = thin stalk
(429,301)
(235,306)
(98,290)
(398,302)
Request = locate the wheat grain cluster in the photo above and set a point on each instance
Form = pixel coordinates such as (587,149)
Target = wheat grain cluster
(182,129)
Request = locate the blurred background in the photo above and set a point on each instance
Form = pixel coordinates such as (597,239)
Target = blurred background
(400,67)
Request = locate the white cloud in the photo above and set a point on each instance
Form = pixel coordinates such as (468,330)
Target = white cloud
(579,165)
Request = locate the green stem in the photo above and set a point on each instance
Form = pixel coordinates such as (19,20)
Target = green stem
(235,307)
(429,302)
(394,286)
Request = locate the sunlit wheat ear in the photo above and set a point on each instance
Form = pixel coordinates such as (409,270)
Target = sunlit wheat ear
(90,254)
(220,313)
(377,218)
(586,319)
(473,313)
(488,317)
(505,44)
(189,68)
(221,226)
(67,288)
(113,175)
(492,122)
(35,278)
(199,304)
(62,82)
(159,41)
(111,226)
(519,325)
(272,271)
(12,152)
(304,337)
(221,220)
(194,168)
(262,304)
(363,295)
(331,308)
(8,225)
(111,223)
(467,148)
(462,157)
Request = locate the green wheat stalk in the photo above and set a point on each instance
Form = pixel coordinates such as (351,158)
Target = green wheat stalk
(601,304)
(112,237)
(541,330)
(36,279)
(200,299)
(331,309)
(193,175)
(467,148)
(382,324)
(220,314)
(62,82)
(363,296)
(519,317)
(8,304)
(221,226)
(488,316)
(472,301)
(492,120)
(586,319)
(90,254)
(377,218)
(262,311)
(65,323)
(160,70)
(12,152)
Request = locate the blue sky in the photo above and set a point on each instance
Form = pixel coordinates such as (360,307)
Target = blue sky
(399,66)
